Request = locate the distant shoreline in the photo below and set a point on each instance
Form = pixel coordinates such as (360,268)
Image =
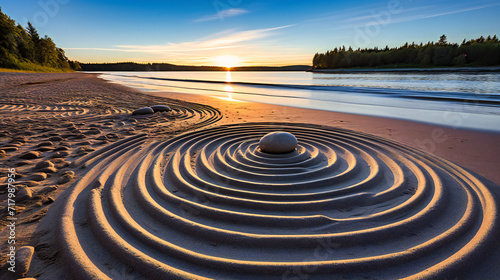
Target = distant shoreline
(410,70)
(138,67)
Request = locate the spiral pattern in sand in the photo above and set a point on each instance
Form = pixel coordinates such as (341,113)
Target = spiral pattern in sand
(210,204)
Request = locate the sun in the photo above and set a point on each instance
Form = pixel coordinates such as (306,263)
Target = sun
(228,61)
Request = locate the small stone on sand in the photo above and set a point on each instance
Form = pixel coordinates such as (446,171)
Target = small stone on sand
(143,111)
(278,142)
(161,108)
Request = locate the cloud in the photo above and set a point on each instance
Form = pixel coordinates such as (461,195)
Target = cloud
(223,14)
(223,40)
(250,45)
(409,14)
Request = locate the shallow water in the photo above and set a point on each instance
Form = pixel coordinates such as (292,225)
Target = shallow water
(461,100)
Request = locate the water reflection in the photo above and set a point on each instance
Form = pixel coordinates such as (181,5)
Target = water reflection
(229,89)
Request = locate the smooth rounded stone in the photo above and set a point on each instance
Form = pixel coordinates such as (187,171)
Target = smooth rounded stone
(143,111)
(278,142)
(102,137)
(161,108)
(43,164)
(38,176)
(23,260)
(30,155)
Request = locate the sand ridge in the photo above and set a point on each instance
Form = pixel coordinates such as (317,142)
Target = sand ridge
(187,194)
(210,204)
(50,121)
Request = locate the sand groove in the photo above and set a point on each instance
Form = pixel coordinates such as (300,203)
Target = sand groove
(210,204)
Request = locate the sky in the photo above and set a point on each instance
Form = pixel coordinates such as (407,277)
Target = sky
(245,32)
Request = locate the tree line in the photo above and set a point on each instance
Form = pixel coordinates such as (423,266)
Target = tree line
(24,49)
(132,66)
(475,52)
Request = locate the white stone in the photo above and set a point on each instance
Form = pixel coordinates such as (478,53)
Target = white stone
(278,142)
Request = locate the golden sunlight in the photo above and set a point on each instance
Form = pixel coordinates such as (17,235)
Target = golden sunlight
(227,61)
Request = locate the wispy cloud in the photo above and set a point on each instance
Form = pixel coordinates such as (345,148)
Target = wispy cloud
(410,14)
(229,39)
(249,44)
(223,14)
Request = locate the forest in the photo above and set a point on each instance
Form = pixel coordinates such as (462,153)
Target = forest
(133,66)
(24,49)
(473,53)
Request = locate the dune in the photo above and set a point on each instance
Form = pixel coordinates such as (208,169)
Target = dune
(188,194)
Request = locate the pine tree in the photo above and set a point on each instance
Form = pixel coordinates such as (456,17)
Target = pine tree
(443,40)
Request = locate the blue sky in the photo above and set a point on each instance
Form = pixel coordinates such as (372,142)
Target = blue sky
(249,32)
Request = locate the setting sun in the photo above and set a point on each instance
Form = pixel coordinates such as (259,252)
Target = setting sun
(227,61)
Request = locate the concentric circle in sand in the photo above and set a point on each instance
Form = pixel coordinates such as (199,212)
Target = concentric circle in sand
(210,204)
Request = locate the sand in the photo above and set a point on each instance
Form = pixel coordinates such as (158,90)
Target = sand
(187,194)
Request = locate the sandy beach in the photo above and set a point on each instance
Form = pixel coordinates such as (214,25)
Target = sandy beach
(187,194)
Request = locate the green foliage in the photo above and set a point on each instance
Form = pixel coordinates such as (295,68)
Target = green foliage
(23,49)
(475,52)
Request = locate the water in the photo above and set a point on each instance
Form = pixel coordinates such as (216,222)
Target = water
(461,100)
